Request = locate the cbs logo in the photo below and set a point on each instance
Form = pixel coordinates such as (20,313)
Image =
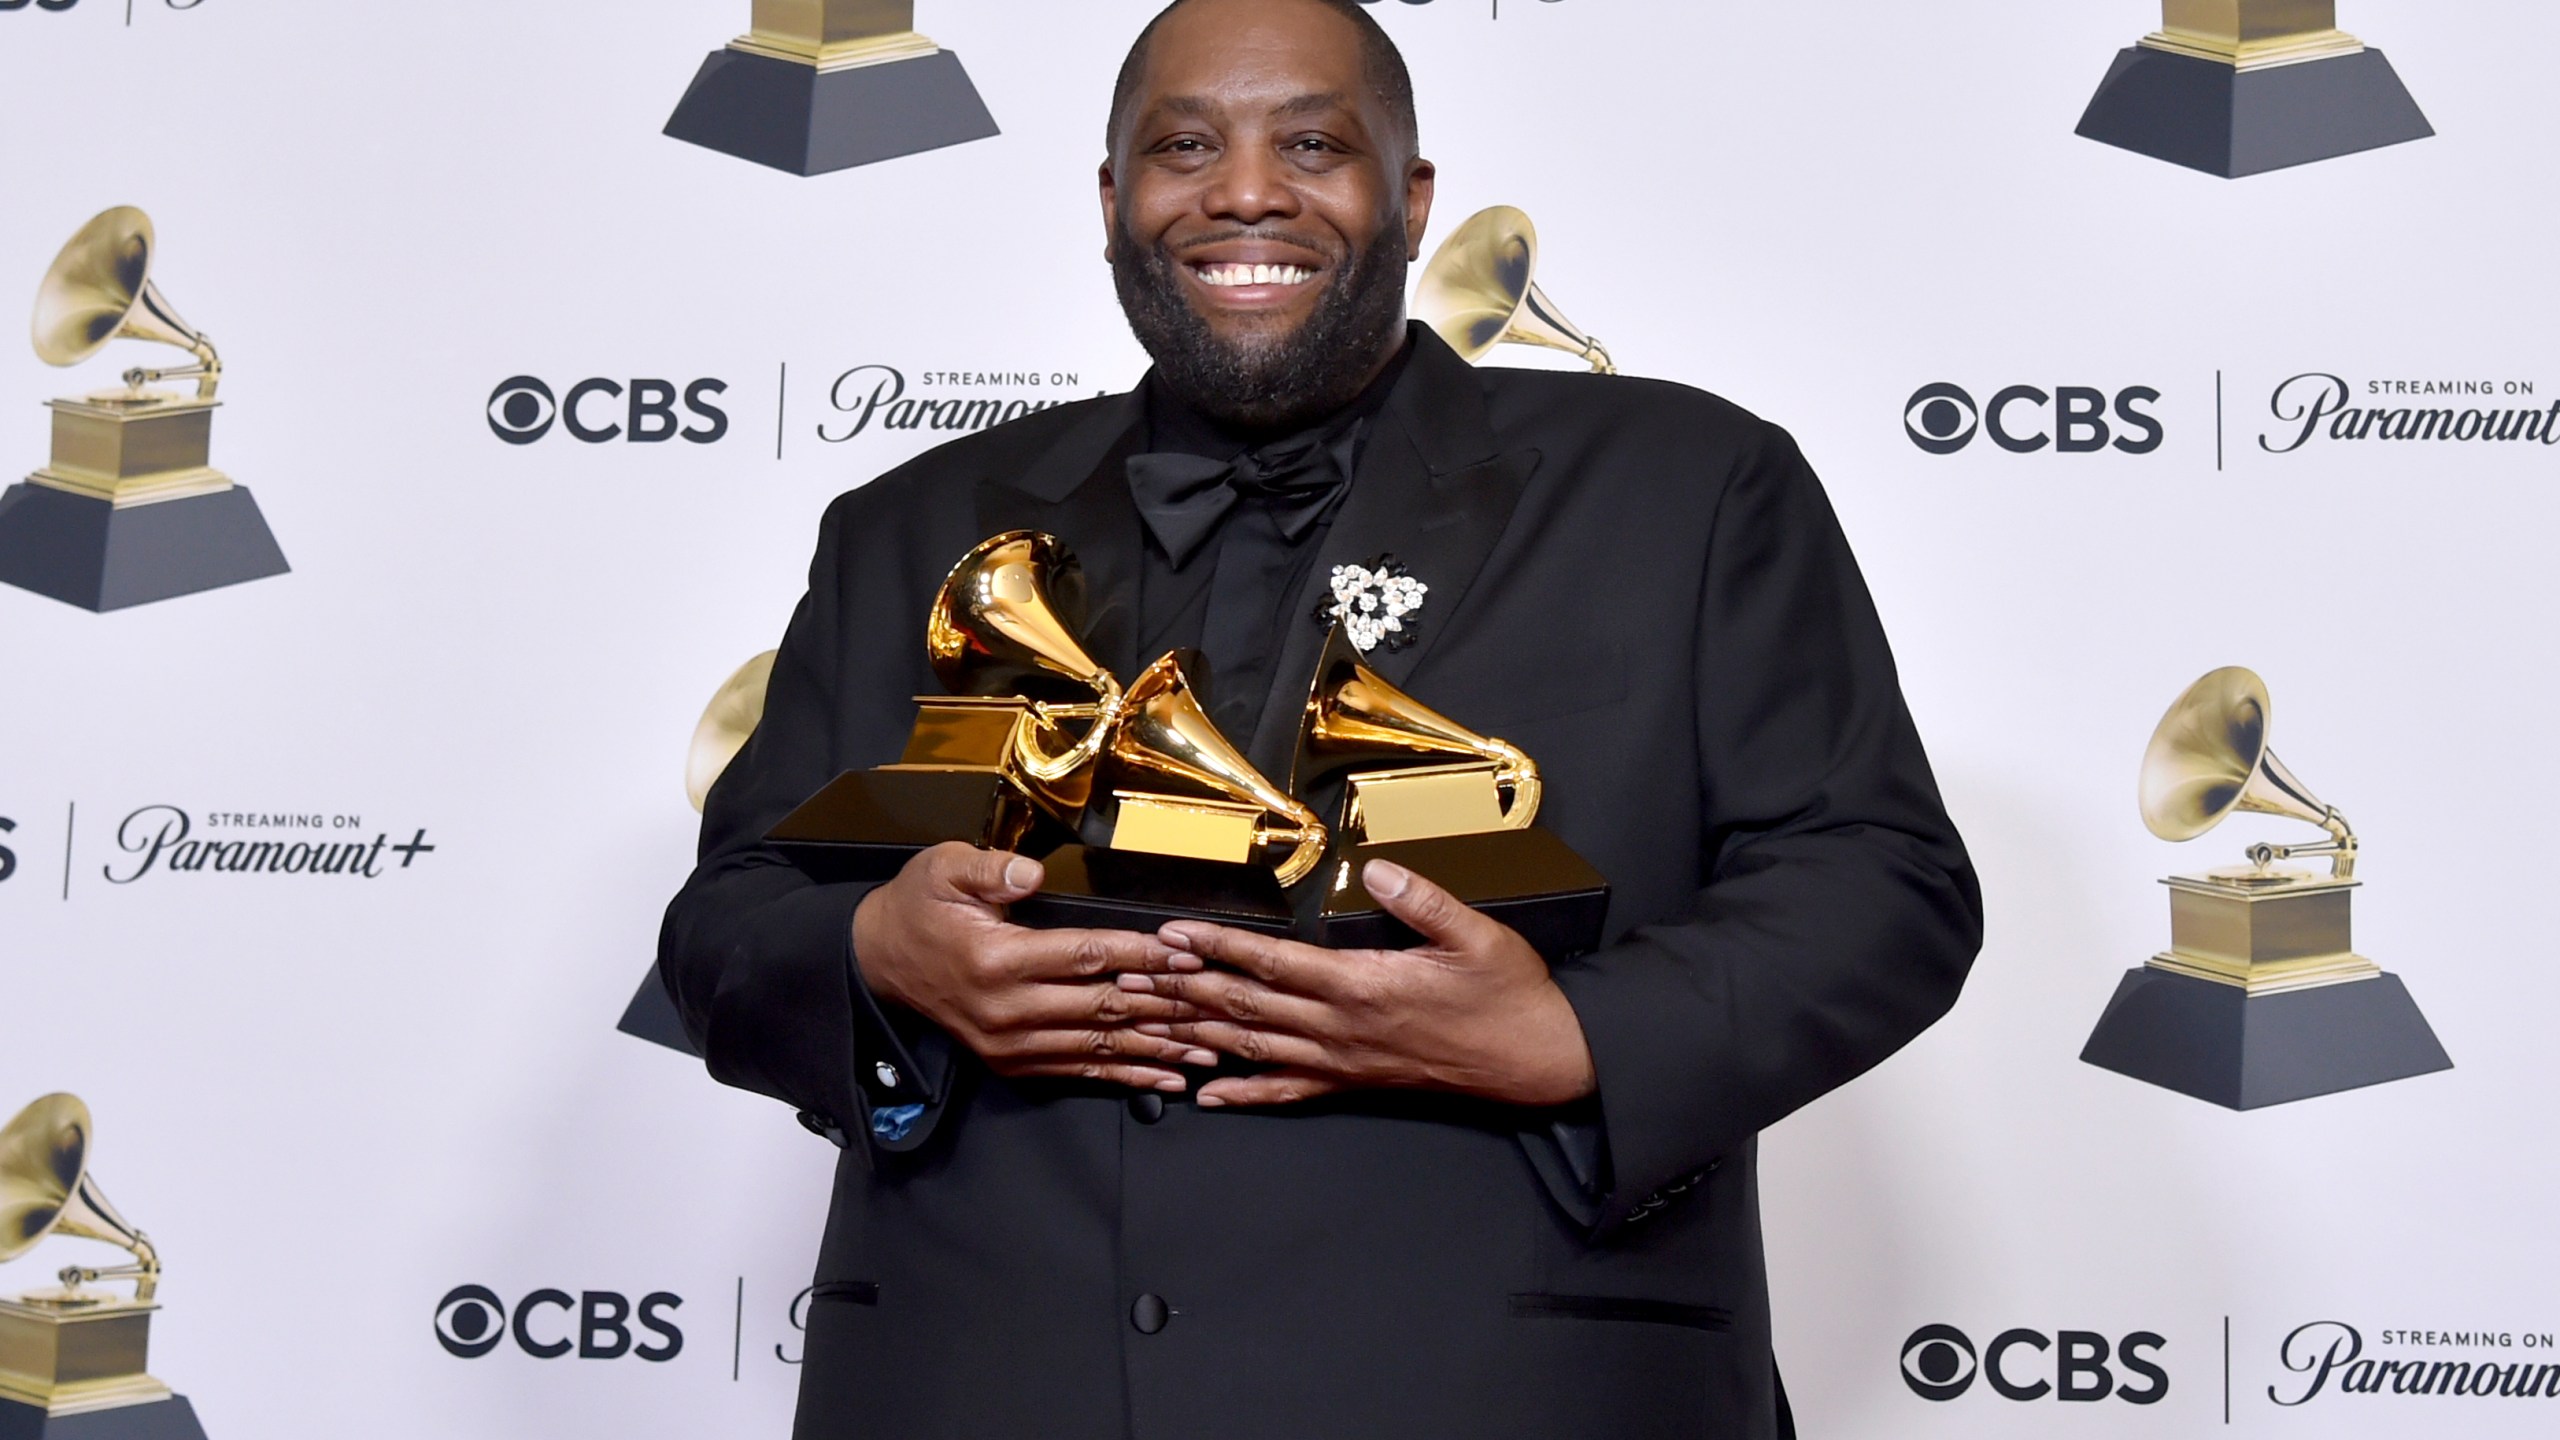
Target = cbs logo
(39,4)
(1939,1363)
(8,857)
(522,410)
(471,1321)
(1943,419)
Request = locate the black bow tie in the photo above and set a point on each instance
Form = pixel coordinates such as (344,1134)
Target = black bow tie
(1183,497)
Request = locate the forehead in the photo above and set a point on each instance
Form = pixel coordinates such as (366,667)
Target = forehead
(1251,54)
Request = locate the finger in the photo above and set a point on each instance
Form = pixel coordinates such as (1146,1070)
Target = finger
(1288,964)
(1062,1007)
(1104,1045)
(1250,1043)
(987,877)
(1280,1087)
(1436,915)
(1136,1077)
(1048,955)
(1238,997)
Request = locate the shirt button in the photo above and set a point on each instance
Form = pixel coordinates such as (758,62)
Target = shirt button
(1146,1109)
(1148,1314)
(886,1074)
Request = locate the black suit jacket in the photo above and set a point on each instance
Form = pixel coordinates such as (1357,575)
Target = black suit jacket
(1644,588)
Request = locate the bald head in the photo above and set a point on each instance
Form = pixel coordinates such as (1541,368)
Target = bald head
(1389,83)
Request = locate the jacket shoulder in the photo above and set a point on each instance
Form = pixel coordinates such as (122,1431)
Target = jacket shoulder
(1524,404)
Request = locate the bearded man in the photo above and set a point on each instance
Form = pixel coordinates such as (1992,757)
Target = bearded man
(1204,1184)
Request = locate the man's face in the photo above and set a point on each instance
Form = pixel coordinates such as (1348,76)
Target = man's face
(1261,211)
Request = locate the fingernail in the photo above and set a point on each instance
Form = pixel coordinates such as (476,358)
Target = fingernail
(1386,879)
(1022,874)
(1178,939)
(1173,1083)
(1186,963)
(1199,1057)
(1160,1032)
(1138,983)
(1209,1101)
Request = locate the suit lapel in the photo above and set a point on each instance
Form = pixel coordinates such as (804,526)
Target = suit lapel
(1078,492)
(1435,490)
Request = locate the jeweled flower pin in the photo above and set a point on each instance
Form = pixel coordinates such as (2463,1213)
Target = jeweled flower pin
(1377,603)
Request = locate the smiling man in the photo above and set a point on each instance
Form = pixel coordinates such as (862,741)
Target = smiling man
(1198,1184)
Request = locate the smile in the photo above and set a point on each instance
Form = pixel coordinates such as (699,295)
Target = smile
(1232,276)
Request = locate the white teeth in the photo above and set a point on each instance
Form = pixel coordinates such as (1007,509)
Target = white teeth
(1228,276)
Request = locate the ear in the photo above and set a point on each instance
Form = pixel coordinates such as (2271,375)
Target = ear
(1420,181)
(1110,209)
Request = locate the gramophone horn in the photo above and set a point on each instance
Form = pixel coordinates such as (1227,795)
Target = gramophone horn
(731,717)
(1005,623)
(1357,720)
(2209,758)
(100,289)
(46,1189)
(1480,290)
(1164,743)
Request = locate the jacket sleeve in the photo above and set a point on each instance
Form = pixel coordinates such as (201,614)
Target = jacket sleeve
(758,956)
(1837,913)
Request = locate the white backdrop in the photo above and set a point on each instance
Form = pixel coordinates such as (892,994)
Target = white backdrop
(333,1101)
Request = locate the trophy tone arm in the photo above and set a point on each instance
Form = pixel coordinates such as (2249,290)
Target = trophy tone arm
(2340,847)
(206,372)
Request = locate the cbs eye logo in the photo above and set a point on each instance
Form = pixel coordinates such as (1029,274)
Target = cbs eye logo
(523,409)
(471,1321)
(1943,419)
(1939,1363)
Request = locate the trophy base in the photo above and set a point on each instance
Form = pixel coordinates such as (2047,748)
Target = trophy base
(2211,116)
(1090,889)
(170,1419)
(793,116)
(1527,879)
(87,551)
(2219,1043)
(866,824)
(651,1016)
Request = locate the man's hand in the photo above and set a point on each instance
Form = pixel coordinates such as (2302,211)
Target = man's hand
(1472,1011)
(1029,1002)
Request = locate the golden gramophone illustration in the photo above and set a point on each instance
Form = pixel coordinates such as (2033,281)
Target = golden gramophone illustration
(1196,832)
(727,723)
(1481,291)
(2260,998)
(129,509)
(1015,744)
(74,1351)
(2239,87)
(1454,806)
(820,85)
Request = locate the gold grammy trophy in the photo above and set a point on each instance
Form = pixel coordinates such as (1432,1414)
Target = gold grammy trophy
(1196,832)
(820,85)
(73,1361)
(2260,998)
(1481,291)
(2239,87)
(129,510)
(1007,759)
(1429,794)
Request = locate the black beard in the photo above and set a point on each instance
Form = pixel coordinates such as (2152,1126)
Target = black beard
(1275,385)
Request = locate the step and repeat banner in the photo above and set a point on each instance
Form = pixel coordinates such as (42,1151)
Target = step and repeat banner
(508,352)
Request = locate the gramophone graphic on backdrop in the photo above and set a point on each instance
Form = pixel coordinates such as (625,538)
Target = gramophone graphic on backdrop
(129,510)
(2238,87)
(73,1361)
(820,85)
(2260,998)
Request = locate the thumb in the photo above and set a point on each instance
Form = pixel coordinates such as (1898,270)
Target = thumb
(1434,913)
(992,877)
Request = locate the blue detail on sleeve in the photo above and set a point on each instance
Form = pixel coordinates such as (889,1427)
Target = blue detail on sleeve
(894,1123)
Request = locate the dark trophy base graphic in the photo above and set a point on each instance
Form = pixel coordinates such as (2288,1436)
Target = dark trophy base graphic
(84,551)
(866,824)
(2219,1043)
(798,118)
(651,1016)
(2229,122)
(1090,889)
(170,1419)
(1527,879)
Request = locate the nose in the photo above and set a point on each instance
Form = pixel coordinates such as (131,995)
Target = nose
(1251,186)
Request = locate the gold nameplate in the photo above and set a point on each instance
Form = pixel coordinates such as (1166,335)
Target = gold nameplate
(132,450)
(1424,803)
(1193,829)
(963,730)
(2252,34)
(2264,939)
(67,1360)
(835,34)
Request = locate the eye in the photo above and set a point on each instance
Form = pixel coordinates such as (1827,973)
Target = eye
(1941,419)
(521,410)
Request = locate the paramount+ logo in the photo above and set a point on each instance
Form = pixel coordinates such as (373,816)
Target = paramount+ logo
(1944,418)
(472,1321)
(1939,1362)
(524,408)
